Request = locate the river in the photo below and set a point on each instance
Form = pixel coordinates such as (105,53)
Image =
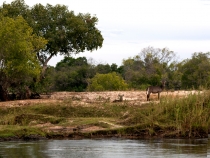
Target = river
(106,148)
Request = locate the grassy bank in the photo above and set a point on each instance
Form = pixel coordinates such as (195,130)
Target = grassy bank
(172,117)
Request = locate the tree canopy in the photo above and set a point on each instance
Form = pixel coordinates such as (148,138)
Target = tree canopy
(18,45)
(31,36)
(196,71)
(71,74)
(149,67)
(65,32)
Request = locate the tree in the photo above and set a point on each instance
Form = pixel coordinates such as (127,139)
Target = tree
(196,71)
(18,62)
(16,8)
(66,32)
(71,74)
(103,69)
(133,71)
(47,84)
(174,80)
(69,61)
(110,81)
(157,60)
(149,67)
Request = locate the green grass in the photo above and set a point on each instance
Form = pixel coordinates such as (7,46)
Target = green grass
(19,131)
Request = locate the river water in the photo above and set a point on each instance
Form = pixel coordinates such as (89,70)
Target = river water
(106,148)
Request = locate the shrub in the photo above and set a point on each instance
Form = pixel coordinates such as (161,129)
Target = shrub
(111,81)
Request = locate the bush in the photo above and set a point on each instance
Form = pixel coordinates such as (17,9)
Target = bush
(111,81)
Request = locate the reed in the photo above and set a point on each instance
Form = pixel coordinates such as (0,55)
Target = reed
(186,117)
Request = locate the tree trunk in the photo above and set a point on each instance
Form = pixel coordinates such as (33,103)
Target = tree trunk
(44,60)
(3,94)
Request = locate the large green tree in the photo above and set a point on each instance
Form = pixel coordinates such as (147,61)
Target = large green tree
(19,65)
(66,32)
(196,71)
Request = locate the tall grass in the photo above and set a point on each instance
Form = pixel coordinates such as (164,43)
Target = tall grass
(184,117)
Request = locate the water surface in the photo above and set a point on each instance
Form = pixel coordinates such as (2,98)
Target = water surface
(106,148)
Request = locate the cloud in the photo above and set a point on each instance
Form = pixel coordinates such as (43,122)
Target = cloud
(110,33)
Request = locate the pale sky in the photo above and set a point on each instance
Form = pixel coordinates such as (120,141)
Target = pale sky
(128,26)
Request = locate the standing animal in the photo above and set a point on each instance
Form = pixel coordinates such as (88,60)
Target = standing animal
(155,89)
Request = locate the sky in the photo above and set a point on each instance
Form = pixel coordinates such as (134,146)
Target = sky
(128,26)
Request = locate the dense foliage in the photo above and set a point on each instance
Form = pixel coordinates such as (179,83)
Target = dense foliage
(66,32)
(196,71)
(55,30)
(110,81)
(79,75)
(18,63)
(71,74)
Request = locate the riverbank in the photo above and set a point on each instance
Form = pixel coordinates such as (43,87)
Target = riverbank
(68,115)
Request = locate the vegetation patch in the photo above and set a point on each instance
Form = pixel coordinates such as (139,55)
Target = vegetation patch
(20,132)
(186,117)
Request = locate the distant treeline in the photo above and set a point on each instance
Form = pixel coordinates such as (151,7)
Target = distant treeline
(149,67)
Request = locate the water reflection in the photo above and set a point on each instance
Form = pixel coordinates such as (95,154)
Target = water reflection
(116,148)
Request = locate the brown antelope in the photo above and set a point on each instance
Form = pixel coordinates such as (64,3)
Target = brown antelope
(120,96)
(155,89)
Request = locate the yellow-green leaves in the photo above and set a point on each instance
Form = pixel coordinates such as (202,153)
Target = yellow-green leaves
(18,48)
(110,81)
